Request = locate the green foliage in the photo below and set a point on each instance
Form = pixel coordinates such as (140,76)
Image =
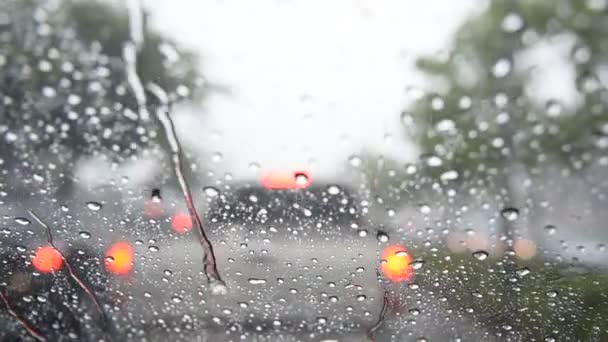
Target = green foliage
(473,95)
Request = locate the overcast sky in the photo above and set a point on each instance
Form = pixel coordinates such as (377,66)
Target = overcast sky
(312,81)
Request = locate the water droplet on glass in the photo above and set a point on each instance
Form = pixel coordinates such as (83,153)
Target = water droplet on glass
(550,229)
(156,195)
(523,271)
(153,248)
(301,178)
(512,22)
(480,255)
(382,236)
(354,161)
(211,191)
(218,288)
(95,206)
(256,281)
(553,108)
(449,175)
(417,264)
(333,190)
(551,294)
(510,214)
(217,157)
(22,221)
(425,209)
(84,234)
(431,160)
(501,68)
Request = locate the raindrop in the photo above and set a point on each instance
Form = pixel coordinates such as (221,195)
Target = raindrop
(523,271)
(480,255)
(362,232)
(10,137)
(256,281)
(354,161)
(425,209)
(407,119)
(446,126)
(510,213)
(551,294)
(333,190)
(417,264)
(382,236)
(512,22)
(553,108)
(301,178)
(176,299)
(156,195)
(22,221)
(218,288)
(501,68)
(361,297)
(153,248)
(449,175)
(550,229)
(95,206)
(217,157)
(84,234)
(431,160)
(211,191)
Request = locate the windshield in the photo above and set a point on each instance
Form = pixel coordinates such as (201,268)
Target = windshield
(303,170)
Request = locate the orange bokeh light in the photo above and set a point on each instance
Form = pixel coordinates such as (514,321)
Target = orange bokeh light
(47,259)
(181,223)
(119,258)
(395,263)
(279,179)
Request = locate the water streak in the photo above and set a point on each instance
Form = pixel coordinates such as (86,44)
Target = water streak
(35,334)
(129,53)
(372,330)
(209,262)
(73,275)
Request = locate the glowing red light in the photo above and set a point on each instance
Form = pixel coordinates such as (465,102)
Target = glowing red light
(181,223)
(298,179)
(119,258)
(395,263)
(47,259)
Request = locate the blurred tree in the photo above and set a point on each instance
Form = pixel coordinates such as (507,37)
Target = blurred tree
(488,119)
(489,122)
(64,89)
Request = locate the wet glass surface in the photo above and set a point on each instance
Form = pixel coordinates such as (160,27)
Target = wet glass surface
(303,170)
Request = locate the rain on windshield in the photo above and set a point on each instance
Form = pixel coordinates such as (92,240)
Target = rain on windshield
(290,170)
